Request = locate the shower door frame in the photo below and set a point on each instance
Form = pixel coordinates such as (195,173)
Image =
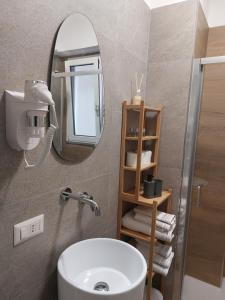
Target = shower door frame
(195,96)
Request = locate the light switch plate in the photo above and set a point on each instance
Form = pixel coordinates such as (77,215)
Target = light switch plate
(28,229)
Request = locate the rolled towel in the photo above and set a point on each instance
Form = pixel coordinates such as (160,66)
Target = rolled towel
(161,216)
(161,226)
(163,250)
(129,222)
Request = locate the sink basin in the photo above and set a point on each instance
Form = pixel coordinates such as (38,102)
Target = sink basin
(101,269)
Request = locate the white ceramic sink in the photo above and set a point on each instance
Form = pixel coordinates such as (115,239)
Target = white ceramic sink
(101,269)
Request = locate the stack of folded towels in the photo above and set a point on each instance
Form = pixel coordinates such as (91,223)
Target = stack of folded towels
(140,218)
(162,259)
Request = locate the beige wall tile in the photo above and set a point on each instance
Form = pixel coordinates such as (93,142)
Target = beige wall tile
(27,32)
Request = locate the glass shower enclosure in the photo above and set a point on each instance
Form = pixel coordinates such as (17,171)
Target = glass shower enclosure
(201,236)
(206,234)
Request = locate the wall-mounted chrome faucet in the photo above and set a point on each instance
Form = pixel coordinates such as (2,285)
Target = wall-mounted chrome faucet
(82,197)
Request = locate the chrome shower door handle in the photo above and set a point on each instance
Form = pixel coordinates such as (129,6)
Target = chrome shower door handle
(199,183)
(198,202)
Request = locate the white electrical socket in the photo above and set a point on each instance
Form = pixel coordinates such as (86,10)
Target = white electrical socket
(28,229)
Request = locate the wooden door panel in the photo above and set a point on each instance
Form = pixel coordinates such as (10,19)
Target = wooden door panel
(206,244)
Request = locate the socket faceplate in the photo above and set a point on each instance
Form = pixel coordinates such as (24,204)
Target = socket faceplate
(28,229)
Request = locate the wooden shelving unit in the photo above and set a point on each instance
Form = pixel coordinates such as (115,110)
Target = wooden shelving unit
(142,116)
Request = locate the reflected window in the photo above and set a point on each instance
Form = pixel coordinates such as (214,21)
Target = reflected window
(84,93)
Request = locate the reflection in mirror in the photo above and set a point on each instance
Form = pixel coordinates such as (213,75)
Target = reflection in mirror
(77,88)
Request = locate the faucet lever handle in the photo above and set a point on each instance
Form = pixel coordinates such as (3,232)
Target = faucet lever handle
(86,195)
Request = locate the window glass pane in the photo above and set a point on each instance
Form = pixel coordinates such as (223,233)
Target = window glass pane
(85,101)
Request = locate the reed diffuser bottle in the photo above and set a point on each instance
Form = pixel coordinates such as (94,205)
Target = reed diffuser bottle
(136,99)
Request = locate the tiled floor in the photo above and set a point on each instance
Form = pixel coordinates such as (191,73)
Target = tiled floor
(194,289)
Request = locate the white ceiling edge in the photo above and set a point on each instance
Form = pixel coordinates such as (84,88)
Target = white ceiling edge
(214,11)
(159,3)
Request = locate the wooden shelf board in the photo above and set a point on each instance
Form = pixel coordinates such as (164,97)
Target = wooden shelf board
(146,108)
(144,138)
(153,109)
(146,167)
(130,197)
(135,234)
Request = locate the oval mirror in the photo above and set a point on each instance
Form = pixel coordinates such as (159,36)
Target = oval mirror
(77,89)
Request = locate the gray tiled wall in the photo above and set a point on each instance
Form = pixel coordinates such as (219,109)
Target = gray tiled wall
(172,39)
(27,29)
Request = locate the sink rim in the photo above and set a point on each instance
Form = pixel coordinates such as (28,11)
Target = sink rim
(102,293)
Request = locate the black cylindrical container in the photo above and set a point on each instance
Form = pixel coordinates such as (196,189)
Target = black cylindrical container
(158,187)
(149,189)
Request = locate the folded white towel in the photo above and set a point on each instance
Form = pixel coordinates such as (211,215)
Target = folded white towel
(161,265)
(160,270)
(161,226)
(158,259)
(161,249)
(129,222)
(162,261)
(161,216)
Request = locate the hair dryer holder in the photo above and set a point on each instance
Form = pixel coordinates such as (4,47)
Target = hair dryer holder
(25,121)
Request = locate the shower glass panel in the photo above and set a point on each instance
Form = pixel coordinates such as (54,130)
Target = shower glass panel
(206,235)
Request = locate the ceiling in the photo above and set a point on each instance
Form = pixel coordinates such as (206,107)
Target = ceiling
(214,9)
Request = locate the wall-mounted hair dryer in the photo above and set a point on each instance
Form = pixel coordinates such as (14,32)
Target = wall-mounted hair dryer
(26,119)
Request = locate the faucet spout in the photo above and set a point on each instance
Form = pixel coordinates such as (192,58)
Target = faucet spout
(82,197)
(97,210)
(88,199)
